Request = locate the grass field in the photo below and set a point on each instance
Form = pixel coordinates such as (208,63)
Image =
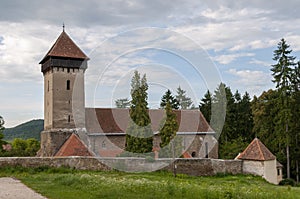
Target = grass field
(67,183)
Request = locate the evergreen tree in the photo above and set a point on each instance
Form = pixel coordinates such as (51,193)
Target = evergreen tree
(139,135)
(282,77)
(169,98)
(122,103)
(171,145)
(205,106)
(245,127)
(169,126)
(184,101)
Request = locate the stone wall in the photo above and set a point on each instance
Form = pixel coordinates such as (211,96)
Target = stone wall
(195,167)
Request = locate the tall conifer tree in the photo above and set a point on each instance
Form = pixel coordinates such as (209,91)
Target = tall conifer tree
(139,135)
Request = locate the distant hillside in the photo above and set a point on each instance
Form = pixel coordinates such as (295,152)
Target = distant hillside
(31,129)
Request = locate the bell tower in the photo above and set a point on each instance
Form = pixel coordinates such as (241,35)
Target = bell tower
(63,68)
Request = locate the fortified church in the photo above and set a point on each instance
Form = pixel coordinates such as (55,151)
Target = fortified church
(71,129)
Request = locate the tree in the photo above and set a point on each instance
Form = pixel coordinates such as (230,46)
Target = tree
(282,77)
(169,126)
(205,106)
(1,132)
(139,135)
(170,143)
(122,103)
(169,98)
(184,101)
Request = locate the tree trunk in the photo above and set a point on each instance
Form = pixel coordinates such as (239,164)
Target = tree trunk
(287,154)
(297,171)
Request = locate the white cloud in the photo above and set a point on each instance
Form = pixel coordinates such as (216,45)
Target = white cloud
(227,59)
(260,62)
(252,81)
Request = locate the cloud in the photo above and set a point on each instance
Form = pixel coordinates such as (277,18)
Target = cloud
(252,81)
(259,62)
(227,59)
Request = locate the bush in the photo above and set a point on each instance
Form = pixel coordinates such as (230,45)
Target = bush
(288,181)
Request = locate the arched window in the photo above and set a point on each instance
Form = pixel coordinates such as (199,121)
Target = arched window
(206,150)
(193,154)
(68,84)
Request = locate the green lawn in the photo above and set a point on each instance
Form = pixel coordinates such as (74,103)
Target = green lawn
(68,183)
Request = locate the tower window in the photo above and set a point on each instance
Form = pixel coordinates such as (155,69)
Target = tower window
(48,86)
(69,118)
(68,70)
(68,84)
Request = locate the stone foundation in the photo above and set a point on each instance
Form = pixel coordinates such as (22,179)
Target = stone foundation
(52,140)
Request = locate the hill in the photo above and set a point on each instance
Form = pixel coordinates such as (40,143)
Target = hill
(31,129)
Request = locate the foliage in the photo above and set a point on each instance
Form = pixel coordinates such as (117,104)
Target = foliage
(235,113)
(68,183)
(2,142)
(288,181)
(30,129)
(139,135)
(169,98)
(205,106)
(169,126)
(184,101)
(122,103)
(22,148)
(284,77)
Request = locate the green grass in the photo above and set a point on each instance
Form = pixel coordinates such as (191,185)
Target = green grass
(67,183)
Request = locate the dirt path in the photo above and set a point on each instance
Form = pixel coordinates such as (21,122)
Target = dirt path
(14,189)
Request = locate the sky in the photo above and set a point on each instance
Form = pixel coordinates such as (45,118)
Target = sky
(192,44)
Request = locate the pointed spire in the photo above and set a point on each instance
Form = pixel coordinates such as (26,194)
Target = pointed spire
(63,26)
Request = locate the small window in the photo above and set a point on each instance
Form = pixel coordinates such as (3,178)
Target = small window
(68,70)
(48,86)
(206,150)
(68,84)
(103,145)
(278,172)
(69,118)
(193,154)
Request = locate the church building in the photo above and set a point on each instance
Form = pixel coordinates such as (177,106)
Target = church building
(71,129)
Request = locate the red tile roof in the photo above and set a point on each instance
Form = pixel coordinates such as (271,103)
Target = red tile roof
(113,120)
(73,147)
(256,150)
(64,47)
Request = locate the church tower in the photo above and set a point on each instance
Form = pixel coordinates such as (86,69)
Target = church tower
(63,68)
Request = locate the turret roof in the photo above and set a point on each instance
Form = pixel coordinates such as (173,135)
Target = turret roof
(256,150)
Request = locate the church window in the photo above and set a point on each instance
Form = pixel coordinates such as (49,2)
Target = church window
(68,70)
(206,150)
(68,84)
(193,154)
(69,118)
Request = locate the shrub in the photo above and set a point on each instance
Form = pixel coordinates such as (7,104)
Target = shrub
(288,181)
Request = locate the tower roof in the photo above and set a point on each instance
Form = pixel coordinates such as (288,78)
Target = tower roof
(256,150)
(64,47)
